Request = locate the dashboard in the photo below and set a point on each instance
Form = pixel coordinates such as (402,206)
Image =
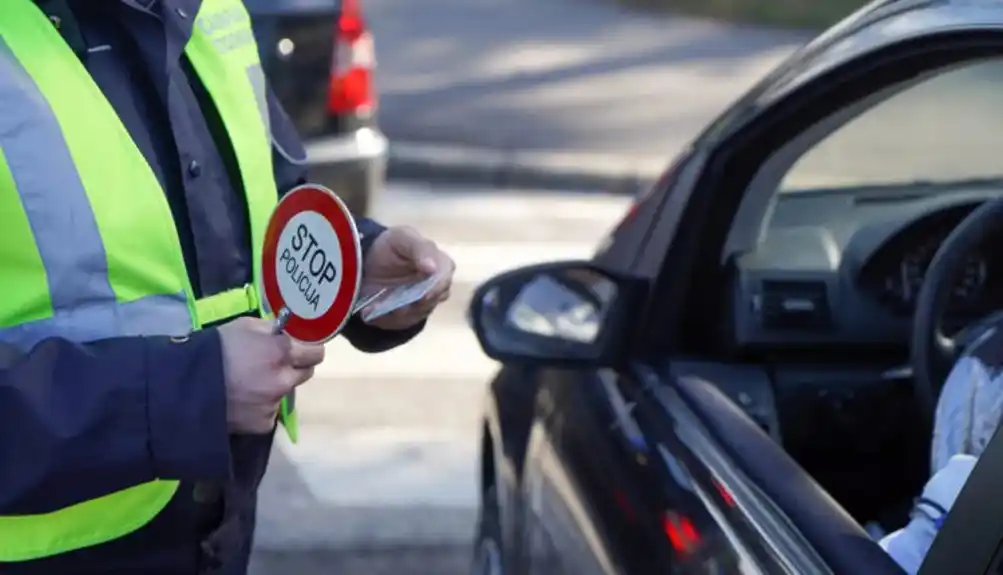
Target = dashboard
(845,269)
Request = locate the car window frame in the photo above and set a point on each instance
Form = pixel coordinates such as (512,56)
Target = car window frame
(666,202)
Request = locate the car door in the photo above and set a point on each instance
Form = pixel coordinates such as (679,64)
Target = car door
(592,499)
(620,478)
(598,493)
(565,531)
(586,495)
(717,409)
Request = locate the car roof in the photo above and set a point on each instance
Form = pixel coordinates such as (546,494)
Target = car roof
(873,27)
(290,7)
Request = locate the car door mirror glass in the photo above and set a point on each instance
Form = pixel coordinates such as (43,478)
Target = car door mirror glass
(548,307)
(551,312)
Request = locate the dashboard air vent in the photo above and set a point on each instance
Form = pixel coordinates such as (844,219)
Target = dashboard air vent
(794,305)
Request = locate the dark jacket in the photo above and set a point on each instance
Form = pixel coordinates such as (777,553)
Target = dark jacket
(85,420)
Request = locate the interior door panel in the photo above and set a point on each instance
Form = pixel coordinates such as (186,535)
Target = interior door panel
(826,527)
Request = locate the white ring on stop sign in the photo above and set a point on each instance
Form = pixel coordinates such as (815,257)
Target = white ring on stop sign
(308,265)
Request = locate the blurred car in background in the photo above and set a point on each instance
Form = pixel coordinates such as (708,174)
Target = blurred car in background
(318,56)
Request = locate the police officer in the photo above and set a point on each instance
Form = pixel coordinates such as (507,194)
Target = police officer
(140,157)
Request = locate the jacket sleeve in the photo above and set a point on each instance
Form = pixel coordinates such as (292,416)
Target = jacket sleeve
(82,421)
(291,169)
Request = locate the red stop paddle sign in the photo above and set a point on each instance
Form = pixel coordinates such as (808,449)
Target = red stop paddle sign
(311,264)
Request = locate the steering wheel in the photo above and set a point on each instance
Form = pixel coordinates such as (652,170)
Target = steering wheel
(933,352)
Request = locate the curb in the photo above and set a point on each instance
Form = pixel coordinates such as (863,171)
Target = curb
(519,168)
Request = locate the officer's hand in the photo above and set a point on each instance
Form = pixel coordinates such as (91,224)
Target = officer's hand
(399,256)
(260,368)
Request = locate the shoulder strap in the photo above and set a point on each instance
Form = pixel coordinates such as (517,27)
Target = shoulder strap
(971,534)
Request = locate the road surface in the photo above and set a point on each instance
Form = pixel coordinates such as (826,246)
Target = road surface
(583,82)
(384,476)
(565,76)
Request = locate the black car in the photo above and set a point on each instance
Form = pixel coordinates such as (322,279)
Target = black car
(318,57)
(744,376)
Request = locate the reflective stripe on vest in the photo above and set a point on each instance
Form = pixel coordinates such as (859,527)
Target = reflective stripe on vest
(88,248)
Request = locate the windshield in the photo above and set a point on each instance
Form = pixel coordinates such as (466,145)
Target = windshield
(942,132)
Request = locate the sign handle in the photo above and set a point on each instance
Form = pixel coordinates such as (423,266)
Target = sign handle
(280,320)
(289,401)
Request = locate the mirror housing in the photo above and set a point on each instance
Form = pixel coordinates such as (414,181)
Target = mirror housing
(572,313)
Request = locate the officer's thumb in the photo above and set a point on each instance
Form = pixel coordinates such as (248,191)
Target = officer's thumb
(248,340)
(413,247)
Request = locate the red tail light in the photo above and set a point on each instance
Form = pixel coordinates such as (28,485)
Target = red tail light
(351,83)
(683,536)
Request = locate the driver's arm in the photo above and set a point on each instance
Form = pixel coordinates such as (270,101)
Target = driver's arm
(908,546)
(968,411)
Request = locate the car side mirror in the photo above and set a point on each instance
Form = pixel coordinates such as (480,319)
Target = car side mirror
(570,312)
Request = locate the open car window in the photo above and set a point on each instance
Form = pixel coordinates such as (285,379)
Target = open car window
(944,127)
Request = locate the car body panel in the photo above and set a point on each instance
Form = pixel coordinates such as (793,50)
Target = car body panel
(579,493)
(509,410)
(923,19)
(298,7)
(597,462)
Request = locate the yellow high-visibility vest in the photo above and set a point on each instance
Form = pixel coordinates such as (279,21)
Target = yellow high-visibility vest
(88,247)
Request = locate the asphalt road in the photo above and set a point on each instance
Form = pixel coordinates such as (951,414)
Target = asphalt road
(581,81)
(568,76)
(384,477)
